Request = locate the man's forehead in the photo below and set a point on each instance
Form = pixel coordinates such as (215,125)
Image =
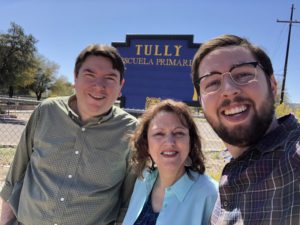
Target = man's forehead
(224,58)
(99,63)
(230,52)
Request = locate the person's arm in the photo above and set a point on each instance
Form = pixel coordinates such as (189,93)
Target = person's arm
(126,193)
(7,214)
(15,175)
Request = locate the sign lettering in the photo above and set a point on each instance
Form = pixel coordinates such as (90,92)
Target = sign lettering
(158,50)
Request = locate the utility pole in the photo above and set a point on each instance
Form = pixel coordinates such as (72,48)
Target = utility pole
(287,50)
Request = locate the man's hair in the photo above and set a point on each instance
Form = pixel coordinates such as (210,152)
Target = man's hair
(141,158)
(227,41)
(101,50)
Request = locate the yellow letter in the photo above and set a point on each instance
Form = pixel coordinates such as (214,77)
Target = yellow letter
(177,47)
(167,51)
(138,49)
(148,51)
(156,53)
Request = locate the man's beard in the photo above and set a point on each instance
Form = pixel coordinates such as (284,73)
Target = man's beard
(246,135)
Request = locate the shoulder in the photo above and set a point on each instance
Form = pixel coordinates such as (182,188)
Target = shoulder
(288,134)
(292,147)
(50,104)
(143,185)
(294,135)
(56,101)
(290,126)
(205,183)
(147,176)
(203,192)
(125,117)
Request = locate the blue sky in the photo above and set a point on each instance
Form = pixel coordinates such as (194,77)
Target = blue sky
(64,27)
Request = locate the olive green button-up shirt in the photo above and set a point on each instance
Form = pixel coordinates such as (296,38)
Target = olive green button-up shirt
(68,173)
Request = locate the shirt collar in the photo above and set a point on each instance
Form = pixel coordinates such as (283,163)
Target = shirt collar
(95,120)
(70,101)
(277,136)
(180,188)
(150,178)
(272,140)
(183,185)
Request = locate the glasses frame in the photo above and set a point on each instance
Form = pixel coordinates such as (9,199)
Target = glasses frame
(254,63)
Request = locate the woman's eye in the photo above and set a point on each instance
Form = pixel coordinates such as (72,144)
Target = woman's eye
(179,134)
(158,134)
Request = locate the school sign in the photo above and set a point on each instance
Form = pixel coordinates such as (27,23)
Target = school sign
(157,67)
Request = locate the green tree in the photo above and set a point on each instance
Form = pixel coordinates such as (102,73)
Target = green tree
(43,74)
(283,109)
(16,55)
(62,87)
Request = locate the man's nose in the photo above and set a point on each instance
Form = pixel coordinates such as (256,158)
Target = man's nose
(229,87)
(100,82)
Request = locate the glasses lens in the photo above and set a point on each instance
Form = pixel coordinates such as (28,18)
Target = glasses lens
(210,83)
(244,74)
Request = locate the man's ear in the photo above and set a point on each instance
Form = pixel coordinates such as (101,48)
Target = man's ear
(122,85)
(200,101)
(273,83)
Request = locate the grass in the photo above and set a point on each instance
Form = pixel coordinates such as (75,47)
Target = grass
(6,157)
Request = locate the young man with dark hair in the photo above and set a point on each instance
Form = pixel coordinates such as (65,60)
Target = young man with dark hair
(71,166)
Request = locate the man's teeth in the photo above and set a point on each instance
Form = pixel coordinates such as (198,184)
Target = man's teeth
(235,110)
(97,97)
(168,153)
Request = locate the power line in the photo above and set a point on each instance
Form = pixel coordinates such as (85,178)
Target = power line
(287,49)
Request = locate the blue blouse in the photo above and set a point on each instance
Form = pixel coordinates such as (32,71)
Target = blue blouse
(187,201)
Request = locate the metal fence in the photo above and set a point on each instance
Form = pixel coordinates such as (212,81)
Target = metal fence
(15,112)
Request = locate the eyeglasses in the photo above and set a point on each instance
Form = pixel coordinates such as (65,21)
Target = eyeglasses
(241,74)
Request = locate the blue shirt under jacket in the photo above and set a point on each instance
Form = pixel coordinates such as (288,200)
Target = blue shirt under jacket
(188,201)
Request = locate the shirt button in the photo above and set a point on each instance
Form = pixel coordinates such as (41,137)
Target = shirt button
(55,224)
(69,176)
(62,199)
(225,203)
(76,152)
(83,129)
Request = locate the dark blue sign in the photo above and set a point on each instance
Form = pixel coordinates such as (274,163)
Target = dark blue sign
(157,66)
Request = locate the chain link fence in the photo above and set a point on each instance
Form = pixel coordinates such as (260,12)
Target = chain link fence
(15,112)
